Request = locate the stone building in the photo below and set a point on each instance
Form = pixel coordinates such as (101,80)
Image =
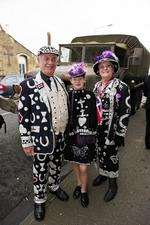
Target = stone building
(14,57)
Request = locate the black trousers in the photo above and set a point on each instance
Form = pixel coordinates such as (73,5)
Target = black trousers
(46,172)
(147,132)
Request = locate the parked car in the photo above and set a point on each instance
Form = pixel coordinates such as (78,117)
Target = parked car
(5,90)
(9,92)
(7,84)
(11,79)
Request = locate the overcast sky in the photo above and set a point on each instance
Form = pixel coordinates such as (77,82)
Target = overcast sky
(28,21)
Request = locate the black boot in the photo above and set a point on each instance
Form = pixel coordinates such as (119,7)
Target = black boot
(39,211)
(99,180)
(84,199)
(112,190)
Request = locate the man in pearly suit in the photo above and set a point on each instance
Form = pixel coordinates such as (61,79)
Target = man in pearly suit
(43,116)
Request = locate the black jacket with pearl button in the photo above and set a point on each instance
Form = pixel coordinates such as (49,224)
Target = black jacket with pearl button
(35,121)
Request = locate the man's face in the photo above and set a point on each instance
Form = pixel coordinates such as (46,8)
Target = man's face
(47,63)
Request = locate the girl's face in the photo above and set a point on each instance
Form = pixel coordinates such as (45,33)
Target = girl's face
(78,82)
(106,70)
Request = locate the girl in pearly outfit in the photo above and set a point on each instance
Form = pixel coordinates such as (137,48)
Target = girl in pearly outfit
(80,150)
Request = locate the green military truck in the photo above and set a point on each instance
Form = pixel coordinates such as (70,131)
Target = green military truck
(134,58)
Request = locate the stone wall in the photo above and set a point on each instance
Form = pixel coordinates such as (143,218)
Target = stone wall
(10,50)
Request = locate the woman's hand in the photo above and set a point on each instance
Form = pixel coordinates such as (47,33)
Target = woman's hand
(119,141)
(29,151)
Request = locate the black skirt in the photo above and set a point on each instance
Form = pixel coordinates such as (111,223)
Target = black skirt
(82,153)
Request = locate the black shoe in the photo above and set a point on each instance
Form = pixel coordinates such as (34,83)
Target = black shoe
(110,195)
(112,190)
(84,199)
(99,180)
(60,194)
(39,211)
(77,192)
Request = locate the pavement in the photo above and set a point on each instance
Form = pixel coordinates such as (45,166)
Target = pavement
(132,203)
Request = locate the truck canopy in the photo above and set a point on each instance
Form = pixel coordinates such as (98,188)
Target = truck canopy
(134,58)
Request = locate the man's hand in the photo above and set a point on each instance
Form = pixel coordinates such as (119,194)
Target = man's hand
(29,151)
(17,89)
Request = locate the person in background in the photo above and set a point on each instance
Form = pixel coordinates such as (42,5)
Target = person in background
(5,91)
(113,111)
(146,103)
(2,122)
(133,98)
(80,150)
(43,117)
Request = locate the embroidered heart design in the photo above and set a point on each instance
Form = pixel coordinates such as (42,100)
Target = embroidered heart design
(82,121)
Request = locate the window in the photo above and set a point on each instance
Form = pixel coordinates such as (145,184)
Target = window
(92,52)
(22,61)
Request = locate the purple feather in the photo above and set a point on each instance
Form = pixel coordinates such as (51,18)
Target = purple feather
(77,70)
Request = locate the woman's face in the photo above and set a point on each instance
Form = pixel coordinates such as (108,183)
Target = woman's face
(78,82)
(106,70)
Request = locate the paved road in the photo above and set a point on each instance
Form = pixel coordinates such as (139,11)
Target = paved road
(15,167)
(15,174)
(130,207)
(132,204)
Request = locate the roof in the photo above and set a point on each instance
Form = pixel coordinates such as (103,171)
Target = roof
(129,40)
(93,43)
(1,30)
